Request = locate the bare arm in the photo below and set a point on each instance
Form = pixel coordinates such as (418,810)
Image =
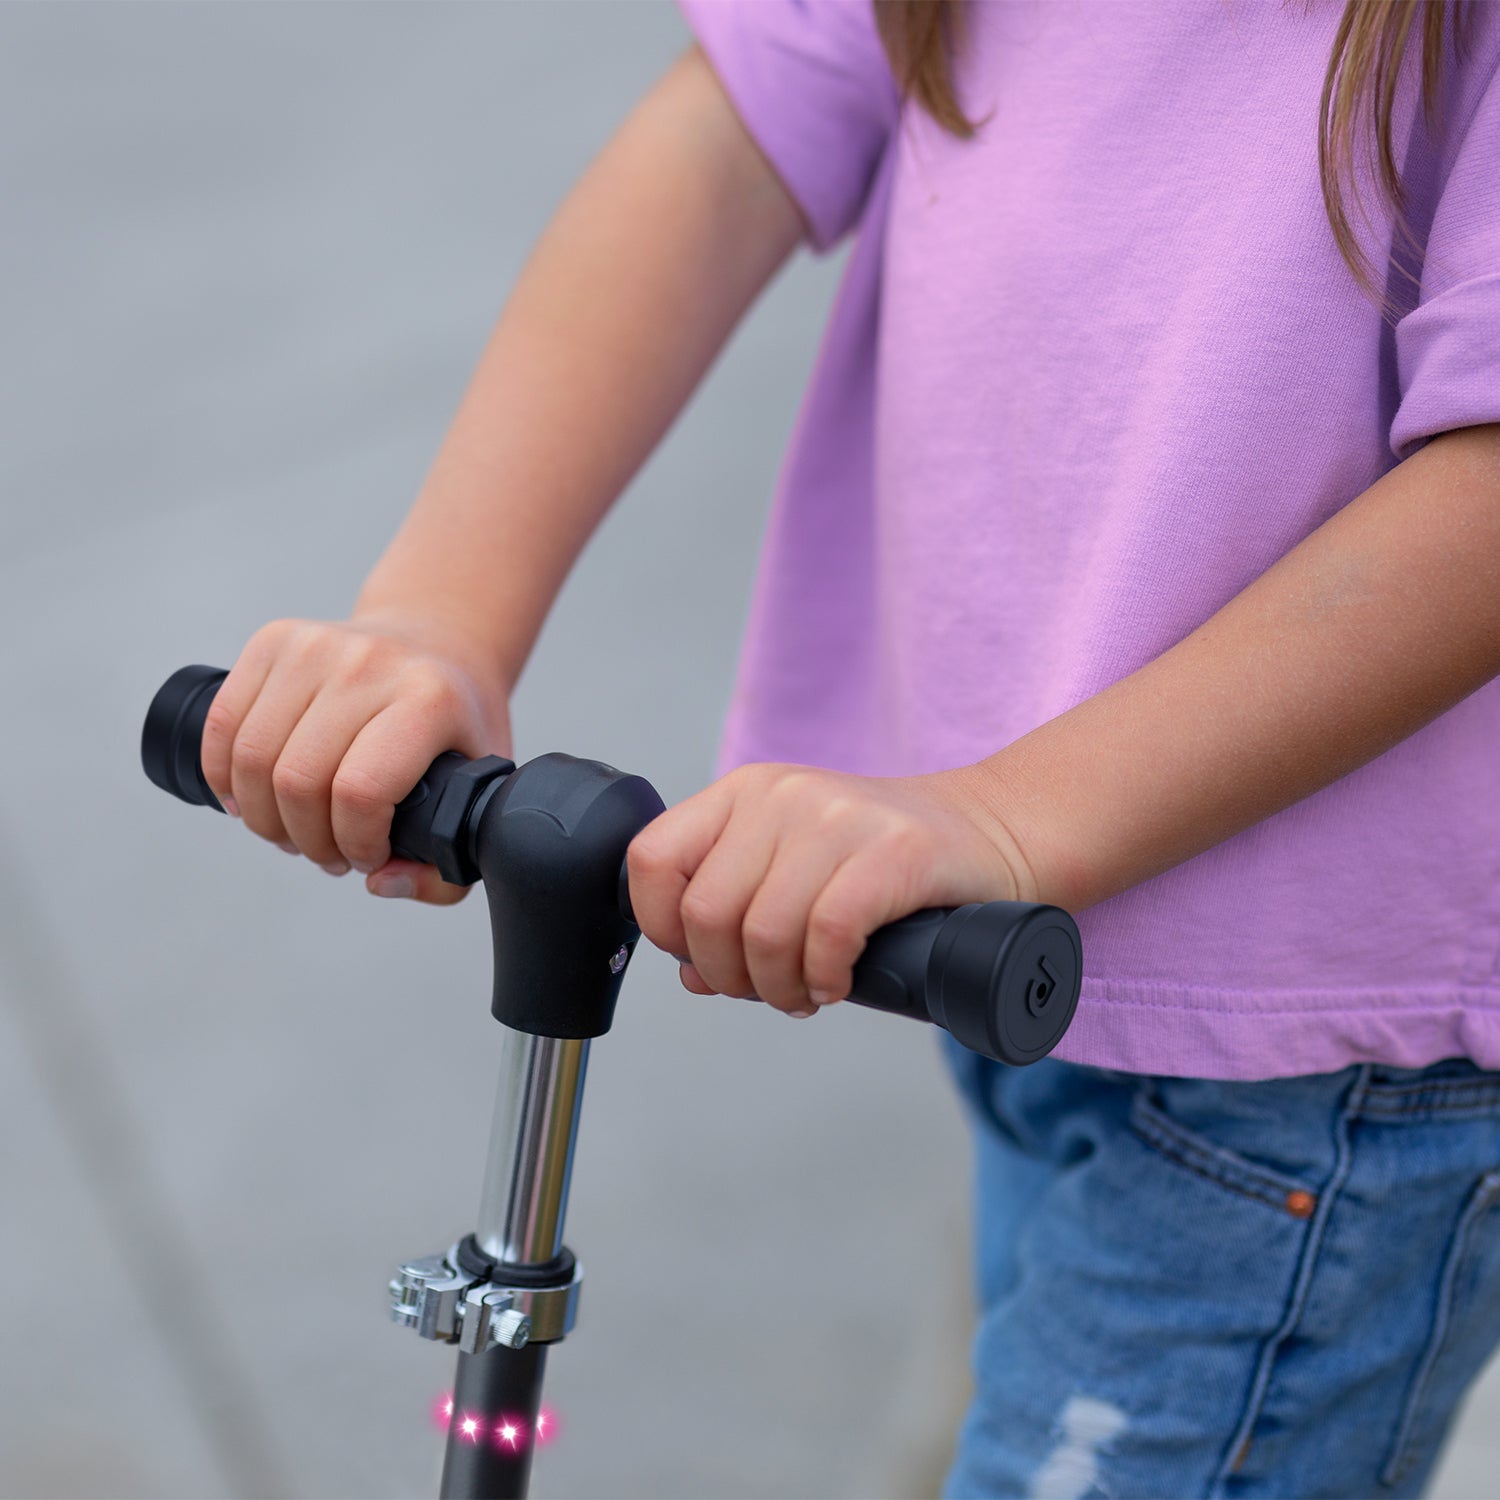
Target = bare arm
(323,726)
(626,300)
(1382,619)
(771,879)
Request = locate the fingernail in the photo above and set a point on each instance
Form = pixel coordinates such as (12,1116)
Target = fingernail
(336,867)
(367,866)
(395,885)
(802,1015)
(824,997)
(288,848)
(230,806)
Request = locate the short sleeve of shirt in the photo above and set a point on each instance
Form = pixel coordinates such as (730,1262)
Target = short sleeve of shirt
(810,80)
(1448,346)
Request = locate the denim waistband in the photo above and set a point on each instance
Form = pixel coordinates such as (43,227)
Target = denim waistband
(1455,1088)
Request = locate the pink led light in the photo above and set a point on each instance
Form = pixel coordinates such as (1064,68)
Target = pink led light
(510,1434)
(546,1427)
(506,1432)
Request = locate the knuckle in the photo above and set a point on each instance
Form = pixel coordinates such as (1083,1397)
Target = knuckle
(365,656)
(357,793)
(316,649)
(648,854)
(900,827)
(837,809)
(795,783)
(275,635)
(832,928)
(293,781)
(904,839)
(420,689)
(438,691)
(700,910)
(759,775)
(273,631)
(766,935)
(252,758)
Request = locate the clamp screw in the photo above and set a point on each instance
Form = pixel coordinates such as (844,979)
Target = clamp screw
(512,1329)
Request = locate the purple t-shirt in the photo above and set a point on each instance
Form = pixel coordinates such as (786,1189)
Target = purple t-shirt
(1089,374)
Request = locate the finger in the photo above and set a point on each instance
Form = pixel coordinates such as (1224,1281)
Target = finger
(386,758)
(774,932)
(663,857)
(281,702)
(303,777)
(854,901)
(694,981)
(416,882)
(227,712)
(714,903)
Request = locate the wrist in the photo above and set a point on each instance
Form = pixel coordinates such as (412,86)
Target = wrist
(467,642)
(982,795)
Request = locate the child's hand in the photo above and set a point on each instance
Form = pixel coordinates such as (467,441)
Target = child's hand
(322,727)
(769,881)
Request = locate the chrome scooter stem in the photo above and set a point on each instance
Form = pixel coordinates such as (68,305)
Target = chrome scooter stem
(530,1295)
(537,1103)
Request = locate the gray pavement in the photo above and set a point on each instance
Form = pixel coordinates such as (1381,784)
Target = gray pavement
(249,254)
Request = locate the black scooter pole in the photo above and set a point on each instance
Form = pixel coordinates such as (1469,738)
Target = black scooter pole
(548,840)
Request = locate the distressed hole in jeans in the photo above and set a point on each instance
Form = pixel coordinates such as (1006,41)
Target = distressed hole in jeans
(1085,1429)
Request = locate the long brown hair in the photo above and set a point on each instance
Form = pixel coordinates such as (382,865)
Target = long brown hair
(920,37)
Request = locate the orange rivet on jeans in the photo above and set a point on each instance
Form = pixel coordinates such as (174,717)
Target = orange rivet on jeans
(1300,1205)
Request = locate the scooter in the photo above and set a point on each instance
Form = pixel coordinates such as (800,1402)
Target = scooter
(548,840)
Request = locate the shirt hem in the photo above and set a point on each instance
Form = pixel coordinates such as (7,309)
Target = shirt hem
(1190,1031)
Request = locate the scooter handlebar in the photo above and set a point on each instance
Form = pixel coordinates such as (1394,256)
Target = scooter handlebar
(1002,976)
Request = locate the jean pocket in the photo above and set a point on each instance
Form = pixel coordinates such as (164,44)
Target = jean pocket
(1465,1330)
(1205,1158)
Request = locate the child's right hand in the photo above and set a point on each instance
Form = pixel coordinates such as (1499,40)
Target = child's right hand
(322,727)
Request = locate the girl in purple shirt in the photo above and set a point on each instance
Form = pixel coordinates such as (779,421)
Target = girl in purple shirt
(1138,550)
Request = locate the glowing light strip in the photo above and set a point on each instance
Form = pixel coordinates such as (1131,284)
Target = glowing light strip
(505,1431)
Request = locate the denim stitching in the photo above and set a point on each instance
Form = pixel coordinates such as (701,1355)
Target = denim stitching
(1202,1158)
(1316,1228)
(1467,1096)
(1404,1451)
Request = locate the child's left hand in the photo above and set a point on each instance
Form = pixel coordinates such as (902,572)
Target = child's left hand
(769,881)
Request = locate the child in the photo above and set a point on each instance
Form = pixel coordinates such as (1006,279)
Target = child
(1137,551)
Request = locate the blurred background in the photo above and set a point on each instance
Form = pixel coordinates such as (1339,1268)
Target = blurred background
(250,254)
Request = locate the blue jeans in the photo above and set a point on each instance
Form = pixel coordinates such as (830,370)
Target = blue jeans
(1197,1288)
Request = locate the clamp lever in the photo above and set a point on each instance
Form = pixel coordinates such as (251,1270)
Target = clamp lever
(440,1299)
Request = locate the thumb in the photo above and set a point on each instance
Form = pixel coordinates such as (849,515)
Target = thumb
(418,882)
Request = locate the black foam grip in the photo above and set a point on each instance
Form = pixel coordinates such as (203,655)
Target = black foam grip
(173,734)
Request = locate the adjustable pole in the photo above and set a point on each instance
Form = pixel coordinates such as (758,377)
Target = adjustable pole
(537,1103)
(497,1394)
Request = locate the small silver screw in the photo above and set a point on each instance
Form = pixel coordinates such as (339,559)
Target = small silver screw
(619,961)
(512,1329)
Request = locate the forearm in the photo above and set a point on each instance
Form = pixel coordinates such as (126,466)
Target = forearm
(1375,624)
(629,295)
